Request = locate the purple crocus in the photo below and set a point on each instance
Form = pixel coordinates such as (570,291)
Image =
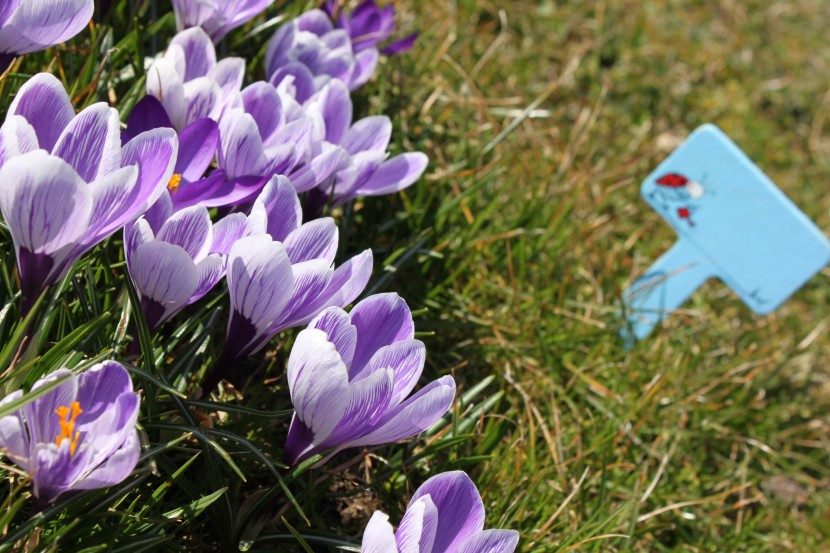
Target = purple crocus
(349,375)
(217,17)
(28,26)
(369,171)
(198,143)
(311,51)
(369,25)
(446,515)
(175,259)
(67,181)
(190,83)
(79,436)
(283,279)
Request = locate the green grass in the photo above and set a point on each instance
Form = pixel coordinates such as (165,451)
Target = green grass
(712,435)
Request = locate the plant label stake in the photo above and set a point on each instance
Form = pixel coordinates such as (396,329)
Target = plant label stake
(733,224)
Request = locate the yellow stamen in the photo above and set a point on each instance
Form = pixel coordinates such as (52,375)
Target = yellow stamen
(67,421)
(173,185)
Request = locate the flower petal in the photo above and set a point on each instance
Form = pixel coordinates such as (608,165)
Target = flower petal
(368,134)
(461,511)
(91,143)
(35,26)
(17,137)
(44,202)
(44,103)
(413,416)
(416,532)
(260,279)
(491,541)
(381,320)
(191,229)
(339,331)
(405,358)
(281,206)
(395,175)
(164,273)
(197,148)
(314,240)
(378,536)
(116,468)
(318,383)
(199,52)
(165,83)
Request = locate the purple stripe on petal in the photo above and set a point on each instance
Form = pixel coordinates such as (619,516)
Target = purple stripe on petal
(199,52)
(210,270)
(369,399)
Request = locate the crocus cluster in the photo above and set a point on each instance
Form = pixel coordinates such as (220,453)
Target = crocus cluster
(81,435)
(210,179)
(28,26)
(446,515)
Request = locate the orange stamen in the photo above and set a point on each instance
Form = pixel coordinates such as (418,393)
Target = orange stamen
(67,422)
(175,181)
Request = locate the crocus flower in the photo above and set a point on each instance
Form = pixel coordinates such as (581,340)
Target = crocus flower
(283,279)
(369,171)
(217,17)
(190,83)
(312,52)
(368,25)
(446,515)
(198,143)
(79,436)
(68,183)
(349,375)
(175,259)
(269,135)
(28,26)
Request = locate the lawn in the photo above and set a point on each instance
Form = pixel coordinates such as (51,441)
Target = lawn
(541,119)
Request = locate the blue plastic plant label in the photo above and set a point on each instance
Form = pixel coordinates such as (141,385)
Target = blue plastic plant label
(733,224)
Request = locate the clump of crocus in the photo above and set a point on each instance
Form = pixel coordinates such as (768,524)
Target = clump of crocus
(446,515)
(79,436)
(369,170)
(67,181)
(349,375)
(369,25)
(190,83)
(284,278)
(175,259)
(28,26)
(311,51)
(217,17)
